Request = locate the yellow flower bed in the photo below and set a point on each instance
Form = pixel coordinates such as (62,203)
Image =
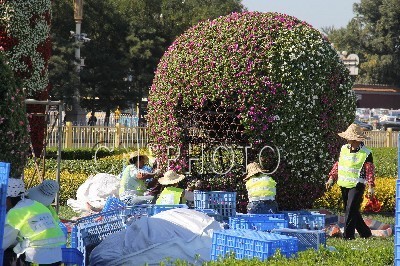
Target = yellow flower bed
(385,191)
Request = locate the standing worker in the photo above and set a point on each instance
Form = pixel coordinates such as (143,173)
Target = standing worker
(354,169)
(261,190)
(31,235)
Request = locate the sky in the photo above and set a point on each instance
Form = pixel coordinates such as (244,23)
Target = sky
(318,13)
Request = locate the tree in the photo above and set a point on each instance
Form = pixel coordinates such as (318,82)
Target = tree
(127,40)
(63,76)
(373,34)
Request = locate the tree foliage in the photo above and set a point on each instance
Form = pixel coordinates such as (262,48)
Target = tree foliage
(128,37)
(373,34)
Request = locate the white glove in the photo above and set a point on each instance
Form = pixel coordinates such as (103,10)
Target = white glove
(329,183)
(371,191)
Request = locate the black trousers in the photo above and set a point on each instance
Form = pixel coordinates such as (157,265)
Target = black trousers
(352,199)
(10,259)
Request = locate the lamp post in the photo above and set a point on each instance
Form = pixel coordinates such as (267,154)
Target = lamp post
(351,61)
(77,113)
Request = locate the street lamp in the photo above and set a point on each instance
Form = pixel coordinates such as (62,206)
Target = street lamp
(351,61)
(77,113)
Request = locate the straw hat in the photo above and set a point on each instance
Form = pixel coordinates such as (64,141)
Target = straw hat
(15,188)
(170,177)
(253,169)
(138,154)
(353,132)
(45,192)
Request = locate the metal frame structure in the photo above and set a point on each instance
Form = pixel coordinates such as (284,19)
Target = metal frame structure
(60,110)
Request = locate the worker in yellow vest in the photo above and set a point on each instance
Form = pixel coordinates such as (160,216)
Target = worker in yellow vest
(353,171)
(45,193)
(31,235)
(172,194)
(261,190)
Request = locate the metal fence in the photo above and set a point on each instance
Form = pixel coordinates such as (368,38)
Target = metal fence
(120,136)
(117,136)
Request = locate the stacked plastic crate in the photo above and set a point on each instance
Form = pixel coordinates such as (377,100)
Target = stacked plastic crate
(307,227)
(89,231)
(4,173)
(262,222)
(397,228)
(248,244)
(222,201)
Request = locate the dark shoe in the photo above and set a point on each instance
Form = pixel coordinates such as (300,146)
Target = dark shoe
(365,237)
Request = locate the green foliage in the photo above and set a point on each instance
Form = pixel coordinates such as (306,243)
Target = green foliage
(83,153)
(385,160)
(65,212)
(14,141)
(280,78)
(373,251)
(373,35)
(128,37)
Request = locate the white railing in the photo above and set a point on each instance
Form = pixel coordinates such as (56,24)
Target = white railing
(120,136)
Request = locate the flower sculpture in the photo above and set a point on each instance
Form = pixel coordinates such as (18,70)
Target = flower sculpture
(25,39)
(258,80)
(14,141)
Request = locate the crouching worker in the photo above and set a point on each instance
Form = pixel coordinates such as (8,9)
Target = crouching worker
(172,193)
(45,193)
(261,190)
(31,235)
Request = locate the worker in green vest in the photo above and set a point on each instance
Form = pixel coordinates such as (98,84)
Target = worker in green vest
(31,235)
(261,190)
(45,193)
(353,171)
(172,193)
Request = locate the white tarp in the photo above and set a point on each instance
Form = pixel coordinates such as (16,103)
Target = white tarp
(174,234)
(95,191)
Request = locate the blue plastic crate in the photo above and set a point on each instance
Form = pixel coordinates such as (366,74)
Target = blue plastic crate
(157,208)
(72,256)
(222,201)
(305,220)
(132,213)
(113,203)
(251,244)
(262,222)
(307,238)
(4,175)
(91,230)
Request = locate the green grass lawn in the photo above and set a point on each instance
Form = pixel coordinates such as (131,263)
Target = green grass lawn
(372,252)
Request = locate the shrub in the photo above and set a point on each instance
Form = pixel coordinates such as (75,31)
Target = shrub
(385,160)
(14,141)
(69,182)
(83,153)
(385,192)
(272,80)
